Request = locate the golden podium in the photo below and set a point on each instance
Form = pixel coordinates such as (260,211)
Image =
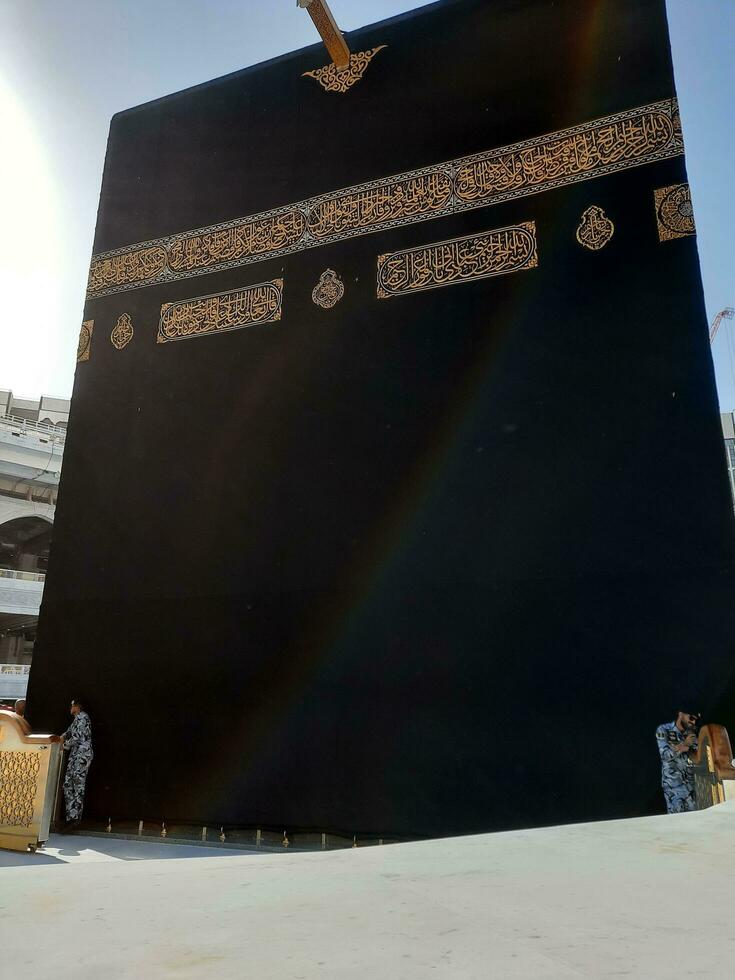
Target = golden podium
(29,778)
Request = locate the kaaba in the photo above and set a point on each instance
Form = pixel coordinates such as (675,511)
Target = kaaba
(394,499)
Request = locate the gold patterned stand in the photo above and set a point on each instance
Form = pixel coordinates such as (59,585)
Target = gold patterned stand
(714,772)
(29,776)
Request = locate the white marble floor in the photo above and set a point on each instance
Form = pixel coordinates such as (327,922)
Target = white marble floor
(649,898)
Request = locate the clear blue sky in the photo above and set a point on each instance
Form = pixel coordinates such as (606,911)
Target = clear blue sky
(67,65)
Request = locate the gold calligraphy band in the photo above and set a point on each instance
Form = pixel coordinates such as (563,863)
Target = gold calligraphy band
(593,149)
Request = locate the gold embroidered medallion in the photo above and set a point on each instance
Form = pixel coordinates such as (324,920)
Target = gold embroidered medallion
(329,290)
(85,341)
(122,332)
(674,212)
(595,229)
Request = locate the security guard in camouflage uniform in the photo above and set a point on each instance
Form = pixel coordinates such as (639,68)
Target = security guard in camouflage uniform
(676,740)
(77,739)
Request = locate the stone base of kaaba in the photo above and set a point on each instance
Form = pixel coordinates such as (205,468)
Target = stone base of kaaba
(645,898)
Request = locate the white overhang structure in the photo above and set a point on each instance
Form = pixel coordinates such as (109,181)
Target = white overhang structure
(30,452)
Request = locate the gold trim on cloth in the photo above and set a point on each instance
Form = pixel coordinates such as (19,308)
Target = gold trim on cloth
(492,253)
(674,212)
(85,341)
(595,229)
(603,146)
(335,79)
(221,312)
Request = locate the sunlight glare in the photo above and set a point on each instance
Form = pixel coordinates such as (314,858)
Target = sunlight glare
(30,252)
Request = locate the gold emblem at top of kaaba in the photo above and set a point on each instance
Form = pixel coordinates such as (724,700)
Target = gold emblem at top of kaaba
(674,212)
(595,229)
(334,79)
(122,332)
(329,290)
(85,340)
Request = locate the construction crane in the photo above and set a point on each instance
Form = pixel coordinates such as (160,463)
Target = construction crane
(727,314)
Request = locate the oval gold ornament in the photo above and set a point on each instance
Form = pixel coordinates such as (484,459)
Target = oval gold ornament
(122,332)
(329,290)
(595,229)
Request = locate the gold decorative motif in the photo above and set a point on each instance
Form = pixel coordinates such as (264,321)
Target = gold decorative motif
(335,79)
(221,311)
(492,253)
(128,268)
(85,341)
(18,786)
(329,290)
(674,212)
(595,229)
(241,241)
(122,332)
(603,146)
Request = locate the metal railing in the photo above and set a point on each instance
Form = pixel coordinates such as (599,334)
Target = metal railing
(23,576)
(29,427)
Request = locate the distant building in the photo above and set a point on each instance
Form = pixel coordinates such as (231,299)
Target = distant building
(728,430)
(32,435)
